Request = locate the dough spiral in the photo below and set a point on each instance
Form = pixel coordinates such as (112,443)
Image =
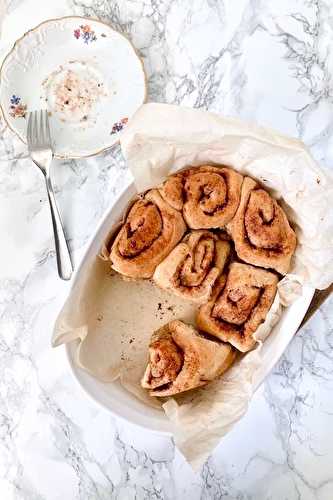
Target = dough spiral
(180,359)
(208,196)
(151,230)
(193,266)
(261,231)
(239,304)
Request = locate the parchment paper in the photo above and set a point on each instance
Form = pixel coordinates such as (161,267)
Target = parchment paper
(162,138)
(114,318)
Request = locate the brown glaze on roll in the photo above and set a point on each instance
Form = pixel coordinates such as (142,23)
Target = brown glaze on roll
(207,195)
(261,231)
(180,359)
(151,230)
(239,304)
(193,266)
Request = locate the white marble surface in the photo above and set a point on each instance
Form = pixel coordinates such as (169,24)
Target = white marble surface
(267,61)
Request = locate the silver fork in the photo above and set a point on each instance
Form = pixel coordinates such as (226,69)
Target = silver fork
(40,149)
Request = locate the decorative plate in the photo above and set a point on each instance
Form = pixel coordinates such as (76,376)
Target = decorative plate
(87,75)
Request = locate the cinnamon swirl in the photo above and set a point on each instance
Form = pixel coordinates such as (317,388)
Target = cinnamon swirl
(239,304)
(207,195)
(261,231)
(151,230)
(192,267)
(180,359)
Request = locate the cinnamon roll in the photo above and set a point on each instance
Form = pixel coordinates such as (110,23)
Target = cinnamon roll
(208,196)
(192,267)
(180,359)
(261,231)
(239,304)
(151,230)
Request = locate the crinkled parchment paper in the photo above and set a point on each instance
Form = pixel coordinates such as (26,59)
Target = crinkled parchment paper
(114,318)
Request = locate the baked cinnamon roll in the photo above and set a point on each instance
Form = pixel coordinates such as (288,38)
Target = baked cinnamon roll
(180,359)
(193,266)
(261,231)
(208,196)
(239,304)
(151,230)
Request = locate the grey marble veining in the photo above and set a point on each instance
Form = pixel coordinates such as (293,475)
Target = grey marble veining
(263,61)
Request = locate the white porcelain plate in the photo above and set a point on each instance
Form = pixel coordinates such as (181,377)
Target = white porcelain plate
(86,74)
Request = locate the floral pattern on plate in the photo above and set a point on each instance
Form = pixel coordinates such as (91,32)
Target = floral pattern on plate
(118,126)
(17,109)
(86,33)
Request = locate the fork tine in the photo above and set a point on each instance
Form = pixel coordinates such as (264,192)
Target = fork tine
(40,124)
(45,130)
(48,134)
(31,130)
(34,129)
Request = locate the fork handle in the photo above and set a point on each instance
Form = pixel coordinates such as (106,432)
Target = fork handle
(64,263)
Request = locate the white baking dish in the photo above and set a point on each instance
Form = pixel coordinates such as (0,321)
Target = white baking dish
(113,396)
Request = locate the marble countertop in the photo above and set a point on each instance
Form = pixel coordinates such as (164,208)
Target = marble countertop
(264,61)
